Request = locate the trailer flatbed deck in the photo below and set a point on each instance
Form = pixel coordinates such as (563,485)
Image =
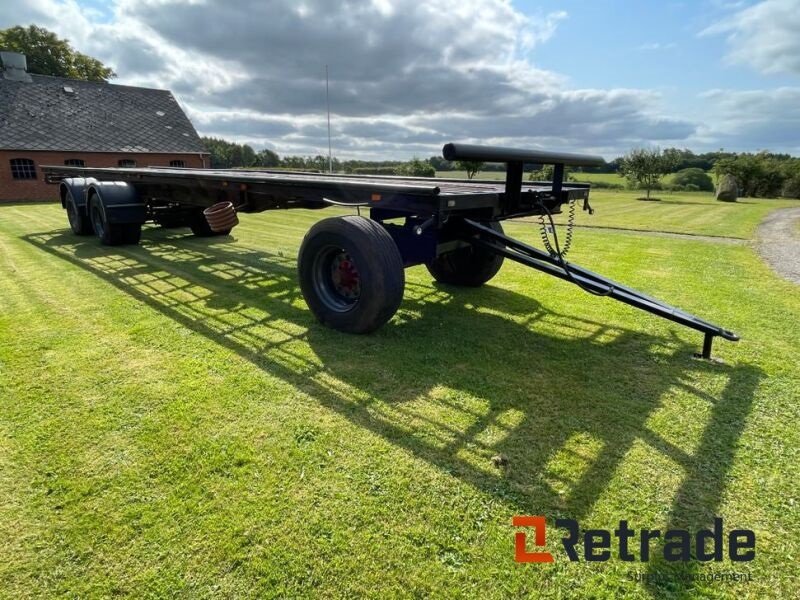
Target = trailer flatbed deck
(351,268)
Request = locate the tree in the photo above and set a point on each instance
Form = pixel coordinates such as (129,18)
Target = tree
(267,158)
(757,175)
(47,54)
(225,154)
(646,166)
(472,167)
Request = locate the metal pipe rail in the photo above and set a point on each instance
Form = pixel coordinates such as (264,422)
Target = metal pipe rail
(512,155)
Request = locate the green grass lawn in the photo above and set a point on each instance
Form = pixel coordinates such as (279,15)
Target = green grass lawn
(681,212)
(174,422)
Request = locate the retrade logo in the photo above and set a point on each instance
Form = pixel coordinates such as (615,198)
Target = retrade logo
(521,553)
(630,544)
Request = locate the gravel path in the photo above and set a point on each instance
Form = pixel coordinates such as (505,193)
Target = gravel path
(778,242)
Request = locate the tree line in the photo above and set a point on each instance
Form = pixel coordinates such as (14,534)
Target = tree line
(763,174)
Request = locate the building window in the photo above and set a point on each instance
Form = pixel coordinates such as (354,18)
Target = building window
(74,162)
(23,168)
(126,163)
(177,163)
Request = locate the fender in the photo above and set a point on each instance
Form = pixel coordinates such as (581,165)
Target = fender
(77,186)
(119,199)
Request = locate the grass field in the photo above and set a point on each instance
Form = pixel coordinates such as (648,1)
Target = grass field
(174,422)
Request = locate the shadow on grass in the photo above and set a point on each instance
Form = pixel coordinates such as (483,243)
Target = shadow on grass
(538,386)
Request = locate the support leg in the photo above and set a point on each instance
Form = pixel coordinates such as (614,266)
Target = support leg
(707,342)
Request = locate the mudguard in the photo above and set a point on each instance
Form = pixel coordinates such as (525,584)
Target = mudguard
(77,186)
(120,201)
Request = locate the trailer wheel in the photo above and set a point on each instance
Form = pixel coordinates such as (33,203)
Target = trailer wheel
(468,266)
(351,274)
(200,227)
(78,220)
(112,234)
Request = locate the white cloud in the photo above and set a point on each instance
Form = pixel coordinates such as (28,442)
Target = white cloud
(405,76)
(657,46)
(765,36)
(754,119)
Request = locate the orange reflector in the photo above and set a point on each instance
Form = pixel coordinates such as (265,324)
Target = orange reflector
(376,197)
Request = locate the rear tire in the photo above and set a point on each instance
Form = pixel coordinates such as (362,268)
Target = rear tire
(112,234)
(468,266)
(78,219)
(351,274)
(200,227)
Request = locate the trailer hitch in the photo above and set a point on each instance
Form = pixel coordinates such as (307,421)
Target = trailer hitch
(484,237)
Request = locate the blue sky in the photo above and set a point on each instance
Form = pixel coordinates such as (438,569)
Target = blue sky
(655,45)
(406,76)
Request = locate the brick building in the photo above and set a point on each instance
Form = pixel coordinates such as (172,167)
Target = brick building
(57,121)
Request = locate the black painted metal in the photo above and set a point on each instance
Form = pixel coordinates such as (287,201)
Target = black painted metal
(558,178)
(508,155)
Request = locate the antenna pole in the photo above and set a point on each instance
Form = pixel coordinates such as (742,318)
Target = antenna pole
(328,104)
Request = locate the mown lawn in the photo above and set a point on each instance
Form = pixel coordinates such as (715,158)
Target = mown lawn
(173,421)
(690,213)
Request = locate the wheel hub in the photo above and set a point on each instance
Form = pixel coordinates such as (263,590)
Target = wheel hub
(344,276)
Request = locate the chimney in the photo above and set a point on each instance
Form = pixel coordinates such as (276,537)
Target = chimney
(15,66)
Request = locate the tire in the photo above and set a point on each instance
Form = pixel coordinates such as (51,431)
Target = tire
(468,266)
(112,234)
(78,219)
(200,227)
(351,274)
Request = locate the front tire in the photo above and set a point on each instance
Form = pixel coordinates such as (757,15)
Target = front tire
(351,274)
(468,266)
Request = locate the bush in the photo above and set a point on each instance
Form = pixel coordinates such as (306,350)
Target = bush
(417,168)
(791,189)
(693,177)
(606,185)
(374,171)
(545,173)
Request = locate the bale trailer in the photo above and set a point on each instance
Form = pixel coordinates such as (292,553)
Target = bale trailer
(351,268)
